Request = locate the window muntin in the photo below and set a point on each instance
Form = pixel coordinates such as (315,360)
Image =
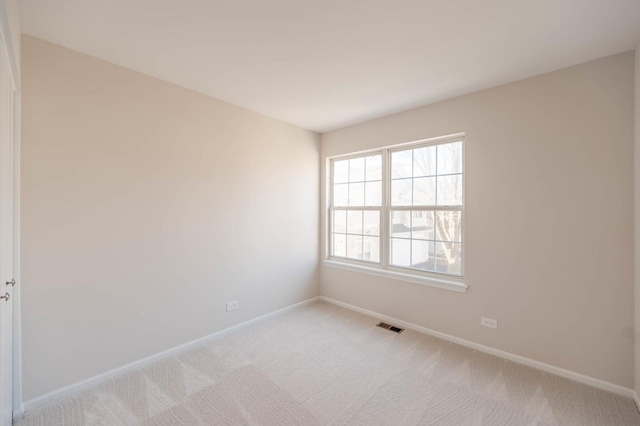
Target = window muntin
(408,218)
(357,181)
(428,180)
(427,240)
(356,208)
(427,176)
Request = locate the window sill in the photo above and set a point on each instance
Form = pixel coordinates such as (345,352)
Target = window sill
(445,284)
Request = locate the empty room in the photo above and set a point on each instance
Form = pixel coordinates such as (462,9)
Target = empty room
(319,212)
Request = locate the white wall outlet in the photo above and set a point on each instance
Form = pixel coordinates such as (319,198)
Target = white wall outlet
(489,322)
(232,305)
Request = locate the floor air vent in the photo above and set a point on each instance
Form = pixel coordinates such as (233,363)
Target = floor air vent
(390,327)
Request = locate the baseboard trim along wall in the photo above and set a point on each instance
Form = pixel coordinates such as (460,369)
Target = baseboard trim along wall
(74,388)
(587,380)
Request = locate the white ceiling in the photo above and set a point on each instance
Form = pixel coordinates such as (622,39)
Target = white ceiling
(326,64)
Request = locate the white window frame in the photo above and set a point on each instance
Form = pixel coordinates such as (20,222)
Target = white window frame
(383,268)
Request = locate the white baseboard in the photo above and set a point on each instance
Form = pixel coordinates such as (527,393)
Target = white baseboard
(591,381)
(18,412)
(74,388)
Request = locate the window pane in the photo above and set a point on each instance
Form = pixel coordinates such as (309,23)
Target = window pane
(354,221)
(354,246)
(422,225)
(371,247)
(401,162)
(339,221)
(374,167)
(400,252)
(424,161)
(341,171)
(341,194)
(425,177)
(401,192)
(450,158)
(339,246)
(373,193)
(424,191)
(450,190)
(449,226)
(423,255)
(449,258)
(356,170)
(401,224)
(356,194)
(371,222)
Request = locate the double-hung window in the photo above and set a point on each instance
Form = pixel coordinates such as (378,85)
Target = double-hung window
(400,209)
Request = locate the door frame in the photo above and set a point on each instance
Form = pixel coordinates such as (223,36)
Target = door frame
(7,38)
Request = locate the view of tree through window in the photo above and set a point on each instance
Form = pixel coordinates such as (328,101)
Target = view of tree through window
(421,200)
(428,235)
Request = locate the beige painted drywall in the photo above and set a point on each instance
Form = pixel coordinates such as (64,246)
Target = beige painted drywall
(146,207)
(549,219)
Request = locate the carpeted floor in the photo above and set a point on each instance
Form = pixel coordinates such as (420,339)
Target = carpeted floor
(324,365)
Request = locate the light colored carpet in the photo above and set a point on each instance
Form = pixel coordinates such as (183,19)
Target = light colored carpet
(324,365)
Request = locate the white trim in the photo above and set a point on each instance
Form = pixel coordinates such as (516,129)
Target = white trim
(74,388)
(6,37)
(5,34)
(445,284)
(18,407)
(441,280)
(587,380)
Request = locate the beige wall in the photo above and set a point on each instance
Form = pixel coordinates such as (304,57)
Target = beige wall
(146,207)
(549,213)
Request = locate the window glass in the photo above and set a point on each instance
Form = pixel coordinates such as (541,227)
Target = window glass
(420,201)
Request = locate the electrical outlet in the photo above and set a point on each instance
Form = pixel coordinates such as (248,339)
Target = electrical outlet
(232,306)
(489,322)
